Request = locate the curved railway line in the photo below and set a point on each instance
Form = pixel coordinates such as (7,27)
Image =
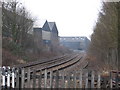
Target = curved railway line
(54,64)
(23,75)
(53,73)
(34,71)
(41,62)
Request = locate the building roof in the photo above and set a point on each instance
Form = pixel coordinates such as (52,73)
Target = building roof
(51,25)
(46,26)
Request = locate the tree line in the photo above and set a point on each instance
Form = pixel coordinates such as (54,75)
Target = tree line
(16,22)
(16,30)
(105,43)
(18,40)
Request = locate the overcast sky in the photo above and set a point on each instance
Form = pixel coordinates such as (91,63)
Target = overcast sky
(72,17)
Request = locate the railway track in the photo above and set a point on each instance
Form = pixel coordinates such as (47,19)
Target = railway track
(51,74)
(58,63)
(53,64)
(63,63)
(31,72)
(47,71)
(40,62)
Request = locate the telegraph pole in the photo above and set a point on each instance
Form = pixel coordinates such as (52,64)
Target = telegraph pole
(0,33)
(118,50)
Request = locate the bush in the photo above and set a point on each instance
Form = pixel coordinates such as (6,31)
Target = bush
(12,47)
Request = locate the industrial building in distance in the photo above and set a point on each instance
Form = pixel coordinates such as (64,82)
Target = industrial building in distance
(75,43)
(46,37)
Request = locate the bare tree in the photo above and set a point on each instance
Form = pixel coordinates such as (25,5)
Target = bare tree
(104,40)
(17,22)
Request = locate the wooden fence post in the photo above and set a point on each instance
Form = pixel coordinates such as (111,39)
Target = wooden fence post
(63,79)
(68,77)
(51,79)
(57,79)
(92,79)
(22,77)
(17,77)
(117,86)
(99,81)
(104,82)
(75,82)
(28,78)
(34,78)
(86,81)
(111,84)
(80,79)
(45,77)
(39,79)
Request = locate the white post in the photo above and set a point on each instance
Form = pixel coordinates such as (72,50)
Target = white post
(99,81)
(23,77)
(3,76)
(8,77)
(13,77)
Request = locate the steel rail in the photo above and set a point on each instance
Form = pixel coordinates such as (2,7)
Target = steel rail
(44,61)
(62,63)
(61,68)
